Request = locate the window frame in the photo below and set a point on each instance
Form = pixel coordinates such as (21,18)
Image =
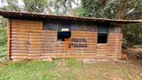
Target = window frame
(64,24)
(107,33)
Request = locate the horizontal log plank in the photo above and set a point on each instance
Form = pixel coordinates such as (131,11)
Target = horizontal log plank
(19,57)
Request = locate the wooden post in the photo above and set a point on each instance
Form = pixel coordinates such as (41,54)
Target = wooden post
(8,39)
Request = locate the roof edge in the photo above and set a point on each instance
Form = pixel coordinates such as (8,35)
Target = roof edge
(15,14)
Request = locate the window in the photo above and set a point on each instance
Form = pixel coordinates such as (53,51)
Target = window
(64,30)
(63,35)
(102,34)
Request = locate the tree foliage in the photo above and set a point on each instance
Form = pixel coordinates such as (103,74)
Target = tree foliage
(117,9)
(133,34)
(35,5)
(59,7)
(63,7)
(12,6)
(114,9)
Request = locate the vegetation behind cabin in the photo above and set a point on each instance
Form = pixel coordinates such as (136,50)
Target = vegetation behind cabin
(3,41)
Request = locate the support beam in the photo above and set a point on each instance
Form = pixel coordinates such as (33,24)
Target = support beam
(8,39)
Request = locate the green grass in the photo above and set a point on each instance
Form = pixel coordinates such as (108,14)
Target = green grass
(23,70)
(69,69)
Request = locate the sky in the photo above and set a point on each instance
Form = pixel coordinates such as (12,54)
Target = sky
(3,3)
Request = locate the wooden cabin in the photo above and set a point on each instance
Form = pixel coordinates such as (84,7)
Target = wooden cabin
(36,36)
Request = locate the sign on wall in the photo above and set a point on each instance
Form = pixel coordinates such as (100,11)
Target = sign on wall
(71,43)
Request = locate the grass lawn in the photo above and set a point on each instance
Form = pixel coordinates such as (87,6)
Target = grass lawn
(69,69)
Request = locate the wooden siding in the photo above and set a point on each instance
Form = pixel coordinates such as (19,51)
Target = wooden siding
(24,39)
(30,41)
(112,49)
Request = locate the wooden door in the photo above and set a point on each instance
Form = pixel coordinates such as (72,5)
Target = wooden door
(35,45)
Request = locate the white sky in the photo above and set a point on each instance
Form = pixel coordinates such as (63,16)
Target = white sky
(2,3)
(20,3)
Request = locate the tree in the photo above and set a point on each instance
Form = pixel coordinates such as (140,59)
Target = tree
(92,8)
(35,5)
(114,9)
(12,5)
(133,34)
(63,7)
(3,22)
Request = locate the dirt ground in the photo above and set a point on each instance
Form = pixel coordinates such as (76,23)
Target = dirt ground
(131,52)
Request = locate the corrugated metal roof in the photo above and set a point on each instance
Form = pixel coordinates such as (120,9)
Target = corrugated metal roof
(37,16)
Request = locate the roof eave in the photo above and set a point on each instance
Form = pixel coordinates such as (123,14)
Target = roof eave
(36,16)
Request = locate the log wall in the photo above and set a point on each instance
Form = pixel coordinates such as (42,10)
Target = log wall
(111,50)
(28,40)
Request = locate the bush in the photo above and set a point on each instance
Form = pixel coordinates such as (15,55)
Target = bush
(3,36)
(3,41)
(132,33)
